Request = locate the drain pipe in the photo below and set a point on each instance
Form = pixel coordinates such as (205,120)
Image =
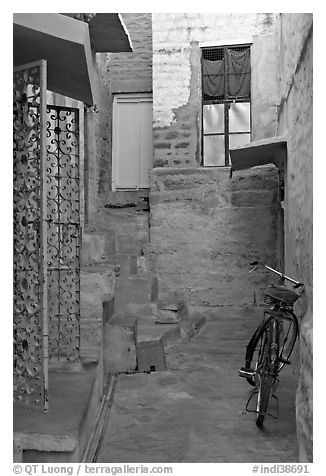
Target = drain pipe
(91,451)
(94,444)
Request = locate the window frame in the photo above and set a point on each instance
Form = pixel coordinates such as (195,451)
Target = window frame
(226,102)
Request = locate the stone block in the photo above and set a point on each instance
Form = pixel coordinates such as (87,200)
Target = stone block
(108,310)
(151,356)
(119,352)
(91,336)
(97,285)
(135,290)
(96,247)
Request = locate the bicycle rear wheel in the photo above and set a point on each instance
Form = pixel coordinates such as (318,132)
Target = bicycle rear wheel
(288,336)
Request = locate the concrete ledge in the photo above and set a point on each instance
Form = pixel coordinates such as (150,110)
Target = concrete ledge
(265,151)
(60,434)
(65,44)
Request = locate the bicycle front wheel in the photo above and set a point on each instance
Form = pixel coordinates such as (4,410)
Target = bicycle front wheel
(264,392)
(256,349)
(267,368)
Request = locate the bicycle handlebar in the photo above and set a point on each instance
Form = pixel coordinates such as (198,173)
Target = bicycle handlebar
(256,265)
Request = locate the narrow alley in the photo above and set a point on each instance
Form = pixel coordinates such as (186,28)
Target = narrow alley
(195,411)
(155,156)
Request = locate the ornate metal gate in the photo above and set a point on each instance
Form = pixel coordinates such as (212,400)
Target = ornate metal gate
(30,263)
(63,240)
(47,234)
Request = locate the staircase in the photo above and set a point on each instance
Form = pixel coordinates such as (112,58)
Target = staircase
(137,325)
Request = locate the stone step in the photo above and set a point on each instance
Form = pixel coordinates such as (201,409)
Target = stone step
(135,199)
(119,337)
(151,356)
(135,290)
(135,339)
(130,229)
(97,246)
(60,435)
(149,331)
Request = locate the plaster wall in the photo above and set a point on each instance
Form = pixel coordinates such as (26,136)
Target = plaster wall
(294,39)
(177,39)
(264,86)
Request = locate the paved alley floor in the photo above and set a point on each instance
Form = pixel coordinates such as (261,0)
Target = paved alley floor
(195,411)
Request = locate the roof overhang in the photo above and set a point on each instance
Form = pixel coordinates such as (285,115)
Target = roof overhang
(108,34)
(266,151)
(65,44)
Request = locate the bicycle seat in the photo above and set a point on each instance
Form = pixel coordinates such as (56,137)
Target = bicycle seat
(282,293)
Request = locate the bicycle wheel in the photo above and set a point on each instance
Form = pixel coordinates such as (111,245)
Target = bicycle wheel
(288,336)
(255,351)
(267,367)
(264,393)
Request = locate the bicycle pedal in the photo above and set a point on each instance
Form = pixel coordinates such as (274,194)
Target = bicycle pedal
(246,372)
(284,361)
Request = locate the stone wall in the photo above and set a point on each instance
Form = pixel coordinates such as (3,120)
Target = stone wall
(98,126)
(132,72)
(205,230)
(116,73)
(177,38)
(294,40)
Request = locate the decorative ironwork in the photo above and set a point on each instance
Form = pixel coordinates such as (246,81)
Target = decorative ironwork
(30,287)
(63,234)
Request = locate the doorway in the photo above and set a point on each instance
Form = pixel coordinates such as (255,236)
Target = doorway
(132,142)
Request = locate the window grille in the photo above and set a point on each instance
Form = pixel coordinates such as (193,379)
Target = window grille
(226,81)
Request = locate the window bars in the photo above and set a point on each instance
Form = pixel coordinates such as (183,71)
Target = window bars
(226,79)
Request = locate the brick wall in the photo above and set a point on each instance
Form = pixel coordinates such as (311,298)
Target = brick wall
(294,40)
(132,72)
(177,38)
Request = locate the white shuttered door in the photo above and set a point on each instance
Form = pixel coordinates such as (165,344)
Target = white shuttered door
(132,148)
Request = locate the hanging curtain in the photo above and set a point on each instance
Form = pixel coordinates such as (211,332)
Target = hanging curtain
(239,73)
(213,77)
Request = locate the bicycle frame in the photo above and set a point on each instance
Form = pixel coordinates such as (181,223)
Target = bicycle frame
(271,344)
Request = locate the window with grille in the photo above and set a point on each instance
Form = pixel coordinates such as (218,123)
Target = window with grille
(226,102)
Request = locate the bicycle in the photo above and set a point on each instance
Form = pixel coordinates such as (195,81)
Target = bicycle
(272,343)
